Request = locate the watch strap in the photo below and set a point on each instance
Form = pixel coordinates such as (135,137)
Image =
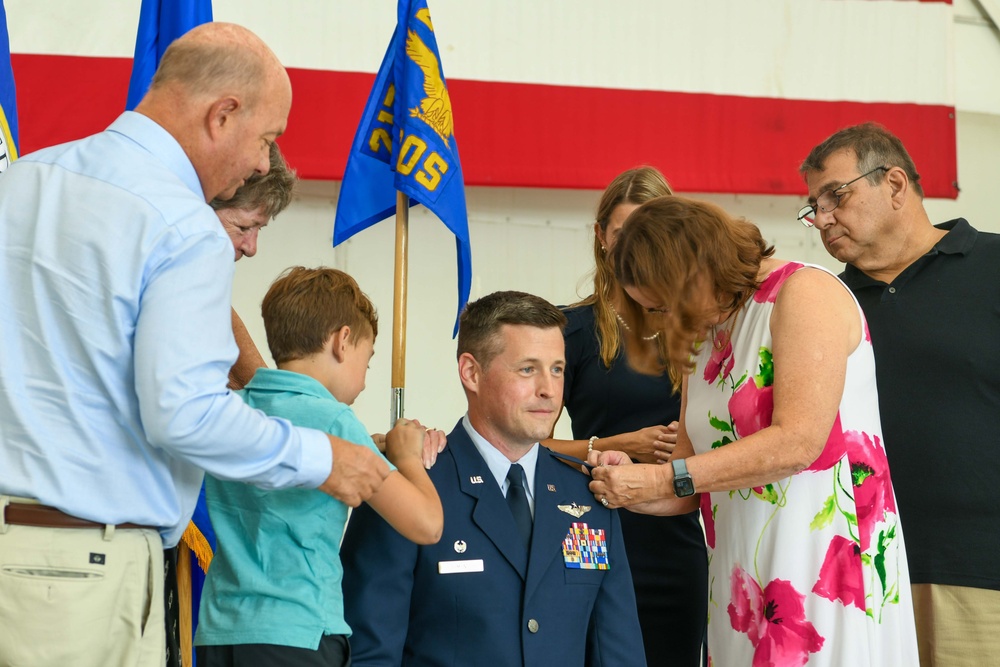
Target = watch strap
(683,484)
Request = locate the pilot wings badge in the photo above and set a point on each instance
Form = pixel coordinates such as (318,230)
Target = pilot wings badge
(435,109)
(574,509)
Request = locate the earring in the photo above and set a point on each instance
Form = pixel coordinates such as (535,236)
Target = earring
(603,249)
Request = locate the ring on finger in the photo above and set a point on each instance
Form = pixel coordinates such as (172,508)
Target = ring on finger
(604,501)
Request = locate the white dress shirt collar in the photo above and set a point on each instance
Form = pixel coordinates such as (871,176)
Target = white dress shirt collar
(499,464)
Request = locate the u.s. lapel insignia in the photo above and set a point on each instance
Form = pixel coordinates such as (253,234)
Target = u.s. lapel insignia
(574,510)
(476,479)
(551,487)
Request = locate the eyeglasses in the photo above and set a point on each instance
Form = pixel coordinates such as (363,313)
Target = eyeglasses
(829,200)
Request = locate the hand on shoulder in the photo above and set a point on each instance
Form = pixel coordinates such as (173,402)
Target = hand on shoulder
(357,472)
(432,442)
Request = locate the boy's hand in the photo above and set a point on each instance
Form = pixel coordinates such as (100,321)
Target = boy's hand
(405,439)
(357,473)
(434,442)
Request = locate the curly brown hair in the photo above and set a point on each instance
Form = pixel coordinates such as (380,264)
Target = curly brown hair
(670,247)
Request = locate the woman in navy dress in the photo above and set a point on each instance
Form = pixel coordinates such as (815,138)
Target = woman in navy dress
(614,407)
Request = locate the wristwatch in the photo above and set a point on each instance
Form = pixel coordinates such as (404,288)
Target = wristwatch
(683,485)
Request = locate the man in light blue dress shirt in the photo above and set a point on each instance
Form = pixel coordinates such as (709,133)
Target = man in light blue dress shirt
(115,287)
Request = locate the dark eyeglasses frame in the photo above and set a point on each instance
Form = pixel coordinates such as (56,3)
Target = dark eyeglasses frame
(807,212)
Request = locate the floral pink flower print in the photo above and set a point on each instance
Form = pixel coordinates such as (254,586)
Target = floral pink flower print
(842,577)
(873,495)
(720,364)
(774,620)
(833,450)
(751,407)
(768,290)
(708,518)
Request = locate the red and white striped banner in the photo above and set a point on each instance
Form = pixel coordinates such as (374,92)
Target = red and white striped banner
(722,95)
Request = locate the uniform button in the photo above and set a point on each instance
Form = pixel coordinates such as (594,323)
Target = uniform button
(892,290)
(532,626)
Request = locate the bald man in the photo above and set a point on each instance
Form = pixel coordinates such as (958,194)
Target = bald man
(115,286)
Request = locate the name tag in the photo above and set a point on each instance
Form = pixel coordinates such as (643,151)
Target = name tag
(459,566)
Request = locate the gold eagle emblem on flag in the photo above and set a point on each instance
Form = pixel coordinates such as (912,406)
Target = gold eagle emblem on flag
(435,109)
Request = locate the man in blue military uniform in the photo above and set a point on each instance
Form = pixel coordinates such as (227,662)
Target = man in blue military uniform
(530,570)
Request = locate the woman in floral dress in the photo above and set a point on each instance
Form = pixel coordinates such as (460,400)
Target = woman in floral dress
(780,435)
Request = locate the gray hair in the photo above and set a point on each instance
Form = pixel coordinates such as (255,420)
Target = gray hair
(874,146)
(271,191)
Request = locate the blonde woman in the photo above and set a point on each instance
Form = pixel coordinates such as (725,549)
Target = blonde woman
(613,407)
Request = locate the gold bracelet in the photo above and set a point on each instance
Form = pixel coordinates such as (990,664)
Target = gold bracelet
(590,443)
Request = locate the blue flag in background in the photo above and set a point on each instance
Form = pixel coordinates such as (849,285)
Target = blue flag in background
(406,142)
(160,22)
(8,98)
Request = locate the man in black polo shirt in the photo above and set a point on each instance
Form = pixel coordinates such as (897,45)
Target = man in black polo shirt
(931,295)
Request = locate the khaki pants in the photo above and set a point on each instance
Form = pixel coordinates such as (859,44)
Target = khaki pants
(81,596)
(957,626)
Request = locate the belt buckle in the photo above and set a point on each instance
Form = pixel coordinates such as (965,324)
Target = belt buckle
(4,501)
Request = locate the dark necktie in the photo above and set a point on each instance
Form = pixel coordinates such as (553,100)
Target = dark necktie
(517,500)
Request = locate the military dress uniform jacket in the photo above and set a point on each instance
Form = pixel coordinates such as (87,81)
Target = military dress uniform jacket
(477,597)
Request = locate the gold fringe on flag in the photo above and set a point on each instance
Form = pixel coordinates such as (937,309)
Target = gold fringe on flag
(198,545)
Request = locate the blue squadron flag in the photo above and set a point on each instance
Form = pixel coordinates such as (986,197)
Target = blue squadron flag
(406,142)
(160,22)
(8,98)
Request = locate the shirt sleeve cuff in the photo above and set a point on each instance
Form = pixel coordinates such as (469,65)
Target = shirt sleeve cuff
(317,458)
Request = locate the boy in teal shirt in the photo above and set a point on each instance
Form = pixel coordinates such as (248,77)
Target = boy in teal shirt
(273,592)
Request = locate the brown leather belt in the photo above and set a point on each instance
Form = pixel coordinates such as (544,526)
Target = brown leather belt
(44,516)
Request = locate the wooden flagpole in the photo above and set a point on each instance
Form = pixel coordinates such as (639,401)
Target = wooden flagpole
(399,309)
(185,611)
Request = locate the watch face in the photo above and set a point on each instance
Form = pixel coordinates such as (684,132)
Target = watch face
(683,486)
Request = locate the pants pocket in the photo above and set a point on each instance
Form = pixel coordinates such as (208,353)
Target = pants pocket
(42,572)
